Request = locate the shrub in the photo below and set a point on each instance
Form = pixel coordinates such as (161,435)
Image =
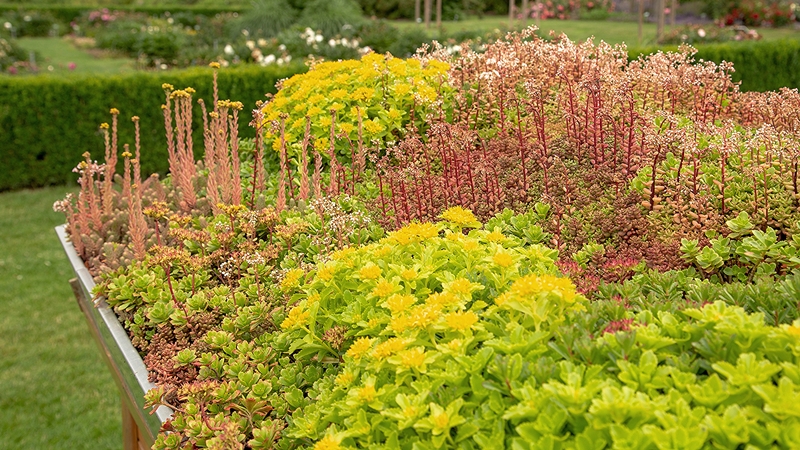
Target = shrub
(331,16)
(269,17)
(33,23)
(704,34)
(11,55)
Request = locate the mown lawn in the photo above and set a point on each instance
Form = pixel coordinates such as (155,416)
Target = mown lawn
(59,53)
(55,391)
(613,32)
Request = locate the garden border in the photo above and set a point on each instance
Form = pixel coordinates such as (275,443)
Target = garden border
(139,428)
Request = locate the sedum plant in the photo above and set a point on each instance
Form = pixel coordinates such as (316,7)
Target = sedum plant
(373,99)
(461,341)
(582,255)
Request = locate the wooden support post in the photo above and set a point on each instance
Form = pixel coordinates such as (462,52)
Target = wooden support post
(130,432)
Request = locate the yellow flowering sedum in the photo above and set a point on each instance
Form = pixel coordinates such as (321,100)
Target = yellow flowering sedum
(296,317)
(360,348)
(503,259)
(365,89)
(399,303)
(388,348)
(413,358)
(384,289)
(413,232)
(461,217)
(329,442)
(426,310)
(291,279)
(533,284)
(370,272)
(461,320)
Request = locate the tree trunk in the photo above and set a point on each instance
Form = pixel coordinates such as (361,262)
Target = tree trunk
(439,14)
(417,10)
(641,20)
(673,10)
(660,27)
(428,13)
(511,6)
(525,12)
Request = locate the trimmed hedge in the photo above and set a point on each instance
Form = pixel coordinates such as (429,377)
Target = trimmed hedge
(67,13)
(760,65)
(46,123)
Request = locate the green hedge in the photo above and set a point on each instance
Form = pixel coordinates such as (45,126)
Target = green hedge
(67,13)
(47,122)
(760,65)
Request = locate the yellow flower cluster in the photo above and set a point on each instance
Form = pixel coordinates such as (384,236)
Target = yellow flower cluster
(461,320)
(413,232)
(384,289)
(369,272)
(413,358)
(329,442)
(355,89)
(360,348)
(388,348)
(399,303)
(461,217)
(297,317)
(503,259)
(532,285)
(291,279)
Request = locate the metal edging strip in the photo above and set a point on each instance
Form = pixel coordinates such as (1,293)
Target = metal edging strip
(127,368)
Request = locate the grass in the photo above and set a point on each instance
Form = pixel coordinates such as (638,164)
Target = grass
(613,32)
(59,53)
(55,391)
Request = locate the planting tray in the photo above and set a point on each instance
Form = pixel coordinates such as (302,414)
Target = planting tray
(139,427)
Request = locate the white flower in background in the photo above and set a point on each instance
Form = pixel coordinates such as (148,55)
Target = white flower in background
(170,21)
(262,42)
(345,42)
(7,25)
(332,43)
(229,49)
(287,58)
(701,32)
(250,44)
(280,61)
(318,38)
(453,49)
(27,18)
(269,59)
(245,32)
(282,48)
